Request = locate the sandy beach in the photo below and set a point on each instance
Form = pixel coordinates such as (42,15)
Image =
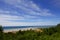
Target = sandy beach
(15,30)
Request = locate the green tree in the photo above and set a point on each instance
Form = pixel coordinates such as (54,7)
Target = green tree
(58,25)
(1,33)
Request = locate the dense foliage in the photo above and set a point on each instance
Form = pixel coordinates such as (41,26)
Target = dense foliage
(52,33)
(1,33)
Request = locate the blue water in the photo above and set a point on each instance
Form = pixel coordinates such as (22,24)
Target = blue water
(16,27)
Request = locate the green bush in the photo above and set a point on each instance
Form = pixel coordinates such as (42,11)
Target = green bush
(52,33)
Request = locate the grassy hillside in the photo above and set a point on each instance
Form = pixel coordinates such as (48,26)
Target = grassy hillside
(52,33)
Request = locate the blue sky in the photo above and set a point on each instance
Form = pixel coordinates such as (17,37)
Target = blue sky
(29,12)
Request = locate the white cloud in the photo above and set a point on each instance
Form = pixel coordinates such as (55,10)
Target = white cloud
(3,11)
(8,12)
(7,23)
(29,7)
(4,21)
(9,17)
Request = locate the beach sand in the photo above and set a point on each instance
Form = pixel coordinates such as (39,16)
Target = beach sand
(15,30)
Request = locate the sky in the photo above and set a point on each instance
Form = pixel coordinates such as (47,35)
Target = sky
(29,12)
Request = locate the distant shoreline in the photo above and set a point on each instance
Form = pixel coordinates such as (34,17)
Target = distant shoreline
(15,30)
(22,28)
